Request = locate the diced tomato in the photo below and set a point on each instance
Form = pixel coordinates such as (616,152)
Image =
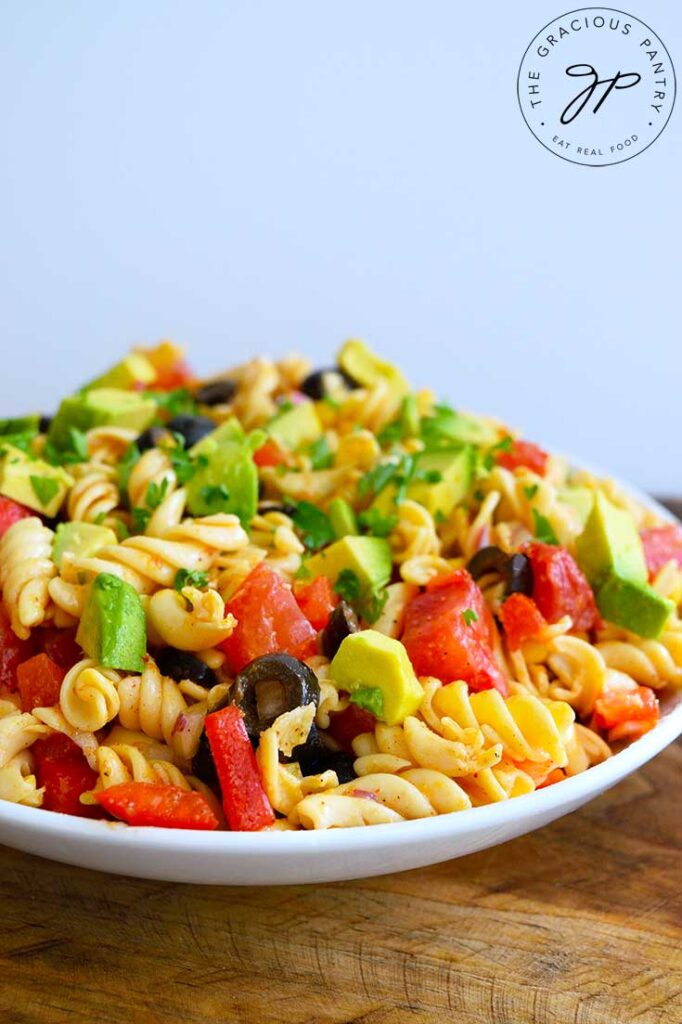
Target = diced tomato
(316,600)
(64,780)
(557,775)
(39,680)
(270,454)
(521,619)
(11,512)
(12,652)
(627,713)
(523,453)
(161,806)
(245,802)
(56,747)
(345,725)
(559,586)
(268,620)
(172,377)
(539,771)
(60,645)
(449,634)
(662,544)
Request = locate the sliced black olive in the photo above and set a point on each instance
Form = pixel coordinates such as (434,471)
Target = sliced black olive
(192,428)
(342,622)
(203,765)
(44,424)
(321,383)
(270,685)
(216,392)
(315,758)
(515,570)
(275,506)
(151,437)
(519,575)
(181,665)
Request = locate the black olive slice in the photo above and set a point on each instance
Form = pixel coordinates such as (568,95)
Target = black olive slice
(276,506)
(44,424)
(216,392)
(270,685)
(192,428)
(519,575)
(515,570)
(151,438)
(488,559)
(322,383)
(181,665)
(342,622)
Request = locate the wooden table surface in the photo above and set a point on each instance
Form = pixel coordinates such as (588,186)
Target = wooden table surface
(579,923)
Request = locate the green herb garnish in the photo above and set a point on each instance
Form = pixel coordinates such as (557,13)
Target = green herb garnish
(347,586)
(321,456)
(543,529)
(190,578)
(131,456)
(313,524)
(376,523)
(469,616)
(214,495)
(156,493)
(140,518)
(45,488)
(530,491)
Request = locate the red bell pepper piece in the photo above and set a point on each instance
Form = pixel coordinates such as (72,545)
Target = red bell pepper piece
(521,619)
(11,512)
(245,802)
(316,600)
(12,652)
(559,586)
(268,620)
(449,634)
(161,806)
(662,544)
(39,680)
(270,454)
(345,725)
(65,779)
(523,453)
(60,645)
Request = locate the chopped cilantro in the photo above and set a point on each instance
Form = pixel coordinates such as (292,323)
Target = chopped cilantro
(184,464)
(314,526)
(376,523)
(99,518)
(373,604)
(543,529)
(44,488)
(321,456)
(76,449)
(371,698)
(405,425)
(125,467)
(121,530)
(140,518)
(479,495)
(347,585)
(190,578)
(156,493)
(214,494)
(469,616)
(440,517)
(530,491)
(303,572)
(174,403)
(377,478)
(430,476)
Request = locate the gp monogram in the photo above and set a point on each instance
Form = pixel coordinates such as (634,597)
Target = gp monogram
(596,86)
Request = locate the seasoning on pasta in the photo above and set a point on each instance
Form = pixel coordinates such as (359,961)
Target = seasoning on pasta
(293,598)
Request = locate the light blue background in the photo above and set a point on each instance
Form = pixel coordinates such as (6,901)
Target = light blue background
(254,177)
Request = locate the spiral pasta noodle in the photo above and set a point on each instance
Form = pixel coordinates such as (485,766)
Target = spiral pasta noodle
(94,494)
(150,703)
(89,697)
(26,568)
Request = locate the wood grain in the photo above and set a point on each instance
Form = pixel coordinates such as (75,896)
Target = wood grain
(579,922)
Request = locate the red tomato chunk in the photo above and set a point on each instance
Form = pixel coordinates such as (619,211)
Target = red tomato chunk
(521,619)
(268,621)
(345,725)
(11,512)
(559,586)
(316,600)
(146,803)
(524,453)
(12,652)
(60,645)
(39,680)
(270,454)
(627,713)
(449,634)
(662,544)
(65,774)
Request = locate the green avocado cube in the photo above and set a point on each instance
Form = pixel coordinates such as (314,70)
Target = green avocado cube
(20,425)
(366,368)
(230,430)
(296,427)
(32,482)
(342,518)
(455,468)
(369,558)
(101,407)
(226,480)
(634,606)
(369,660)
(610,545)
(113,628)
(134,370)
(82,539)
(581,499)
(448,427)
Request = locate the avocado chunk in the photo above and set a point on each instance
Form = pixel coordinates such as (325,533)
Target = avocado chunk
(634,606)
(581,499)
(20,425)
(366,368)
(368,558)
(296,427)
(449,427)
(342,518)
(134,370)
(101,407)
(610,545)
(230,430)
(368,661)
(32,482)
(226,480)
(82,539)
(455,467)
(112,628)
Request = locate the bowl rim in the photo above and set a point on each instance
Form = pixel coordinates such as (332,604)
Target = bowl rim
(541,803)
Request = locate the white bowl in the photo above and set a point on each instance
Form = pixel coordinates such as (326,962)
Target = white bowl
(279,858)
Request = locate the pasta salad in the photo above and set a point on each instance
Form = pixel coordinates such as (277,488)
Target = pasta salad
(294,598)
